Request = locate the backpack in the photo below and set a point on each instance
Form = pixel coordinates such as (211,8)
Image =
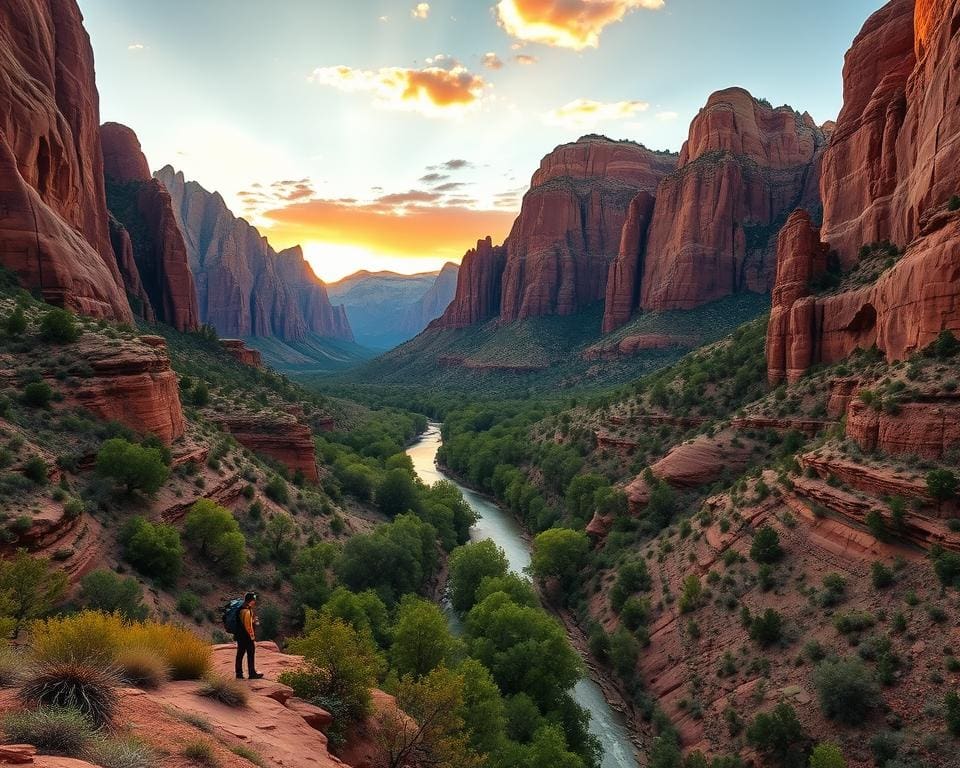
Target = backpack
(231,614)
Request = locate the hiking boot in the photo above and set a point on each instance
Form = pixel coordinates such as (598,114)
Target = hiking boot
(256,676)
(239,677)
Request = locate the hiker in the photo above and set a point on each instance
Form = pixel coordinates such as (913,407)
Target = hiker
(246,636)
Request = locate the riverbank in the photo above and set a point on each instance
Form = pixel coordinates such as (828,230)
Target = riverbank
(613,719)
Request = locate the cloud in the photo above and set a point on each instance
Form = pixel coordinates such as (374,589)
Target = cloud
(491,61)
(421,11)
(450,186)
(136,47)
(432,178)
(456,164)
(575,24)
(383,18)
(431,90)
(525,59)
(667,116)
(403,198)
(587,111)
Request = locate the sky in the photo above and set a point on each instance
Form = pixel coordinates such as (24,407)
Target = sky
(390,134)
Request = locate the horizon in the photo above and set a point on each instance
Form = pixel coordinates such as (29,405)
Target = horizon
(417,126)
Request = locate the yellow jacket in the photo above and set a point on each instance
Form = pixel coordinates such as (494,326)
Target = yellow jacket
(246,620)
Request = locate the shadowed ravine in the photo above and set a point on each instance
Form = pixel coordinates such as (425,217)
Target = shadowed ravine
(496,524)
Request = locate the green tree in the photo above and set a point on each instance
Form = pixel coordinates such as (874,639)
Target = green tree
(57,326)
(397,493)
(133,467)
(216,532)
(483,710)
(624,654)
(280,534)
(343,665)
(779,736)
(16,323)
(548,749)
(525,649)
(468,566)
(436,734)
(421,639)
(766,546)
(560,553)
(37,394)
(942,485)
(364,611)
(765,628)
(106,591)
(310,575)
(827,755)
(29,587)
(951,705)
(847,690)
(200,396)
(154,549)
(692,594)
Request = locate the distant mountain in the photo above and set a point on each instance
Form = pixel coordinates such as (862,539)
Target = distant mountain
(386,308)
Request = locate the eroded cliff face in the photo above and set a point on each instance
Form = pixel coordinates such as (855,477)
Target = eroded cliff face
(162,287)
(744,167)
(479,284)
(244,288)
(570,225)
(53,214)
(891,168)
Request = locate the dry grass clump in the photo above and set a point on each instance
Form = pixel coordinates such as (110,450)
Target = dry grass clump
(224,690)
(142,667)
(54,730)
(202,753)
(88,689)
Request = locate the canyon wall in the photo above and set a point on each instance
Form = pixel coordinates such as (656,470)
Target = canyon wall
(889,173)
(479,283)
(245,288)
(162,288)
(53,213)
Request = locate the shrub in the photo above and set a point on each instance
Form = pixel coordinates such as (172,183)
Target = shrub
(89,689)
(848,622)
(58,327)
(765,628)
(953,204)
(141,667)
(36,470)
(88,637)
(224,690)
(881,576)
(200,396)
(942,485)
(635,612)
(277,490)
(154,549)
(37,394)
(827,755)
(188,603)
(946,565)
(766,546)
(31,587)
(109,592)
(876,525)
(248,754)
(186,654)
(120,753)
(11,665)
(780,736)
(218,535)
(59,731)
(201,752)
(846,689)
(692,594)
(135,468)
(16,323)
(951,705)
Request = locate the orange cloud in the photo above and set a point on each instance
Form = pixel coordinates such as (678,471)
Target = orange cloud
(411,231)
(587,111)
(421,11)
(525,59)
(575,24)
(431,91)
(491,61)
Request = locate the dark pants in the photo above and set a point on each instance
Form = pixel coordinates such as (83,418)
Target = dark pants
(245,645)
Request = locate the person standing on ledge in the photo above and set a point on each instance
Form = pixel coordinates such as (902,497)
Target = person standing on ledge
(246,637)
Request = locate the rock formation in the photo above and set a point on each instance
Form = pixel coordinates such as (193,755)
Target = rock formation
(135,385)
(744,167)
(623,280)
(279,436)
(433,303)
(478,287)
(244,288)
(891,168)
(569,228)
(53,214)
(163,286)
(241,353)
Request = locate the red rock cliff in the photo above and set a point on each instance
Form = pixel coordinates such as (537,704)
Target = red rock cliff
(743,168)
(53,215)
(892,165)
(623,279)
(244,288)
(479,283)
(142,205)
(569,229)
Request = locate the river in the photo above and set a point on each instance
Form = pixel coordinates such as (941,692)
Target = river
(496,524)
